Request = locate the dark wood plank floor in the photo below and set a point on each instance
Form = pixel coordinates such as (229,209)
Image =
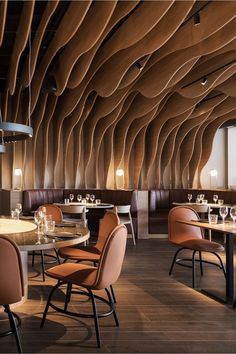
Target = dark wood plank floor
(158,313)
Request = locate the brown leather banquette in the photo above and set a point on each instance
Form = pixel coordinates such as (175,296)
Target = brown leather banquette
(161,201)
(33,198)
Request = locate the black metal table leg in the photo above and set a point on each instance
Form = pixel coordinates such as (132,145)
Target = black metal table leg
(229,249)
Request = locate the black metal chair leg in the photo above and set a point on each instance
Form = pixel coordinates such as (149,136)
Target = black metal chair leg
(113,294)
(42,264)
(110,298)
(95,318)
(14,328)
(221,263)
(201,266)
(58,259)
(174,260)
(48,303)
(68,296)
(193,269)
(33,254)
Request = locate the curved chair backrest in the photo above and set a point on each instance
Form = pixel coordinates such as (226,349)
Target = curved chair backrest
(200,208)
(112,257)
(74,209)
(108,223)
(178,232)
(53,210)
(11,274)
(123,209)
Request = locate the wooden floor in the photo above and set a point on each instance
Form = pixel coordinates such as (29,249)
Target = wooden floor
(158,313)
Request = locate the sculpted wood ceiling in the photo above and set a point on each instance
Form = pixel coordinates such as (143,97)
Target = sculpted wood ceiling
(115,84)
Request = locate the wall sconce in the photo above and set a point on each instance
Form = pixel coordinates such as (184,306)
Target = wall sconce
(119,178)
(18,173)
(213,179)
(120,172)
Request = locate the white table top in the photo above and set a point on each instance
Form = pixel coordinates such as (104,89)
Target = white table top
(211,205)
(227,227)
(88,205)
(10,226)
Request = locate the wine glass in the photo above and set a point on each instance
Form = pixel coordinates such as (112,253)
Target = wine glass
(92,198)
(202,196)
(190,197)
(223,213)
(38,218)
(79,198)
(71,196)
(18,209)
(215,198)
(87,196)
(233,214)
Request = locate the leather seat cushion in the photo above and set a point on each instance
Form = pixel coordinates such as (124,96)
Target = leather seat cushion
(88,253)
(202,245)
(81,274)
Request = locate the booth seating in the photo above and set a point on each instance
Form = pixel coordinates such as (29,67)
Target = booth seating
(157,206)
(160,201)
(33,198)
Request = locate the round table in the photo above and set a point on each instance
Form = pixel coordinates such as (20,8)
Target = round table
(95,213)
(88,205)
(25,236)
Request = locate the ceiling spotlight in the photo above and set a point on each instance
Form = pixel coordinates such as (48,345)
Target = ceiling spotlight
(139,66)
(49,84)
(196,19)
(204,81)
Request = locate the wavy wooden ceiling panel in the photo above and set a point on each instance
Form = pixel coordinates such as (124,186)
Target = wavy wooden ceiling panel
(116,84)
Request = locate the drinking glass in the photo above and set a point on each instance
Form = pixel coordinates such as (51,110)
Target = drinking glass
(87,196)
(92,198)
(233,214)
(38,218)
(215,198)
(202,196)
(71,196)
(190,197)
(19,207)
(223,213)
(79,198)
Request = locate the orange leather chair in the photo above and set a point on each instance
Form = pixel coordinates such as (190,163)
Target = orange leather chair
(92,253)
(53,210)
(57,216)
(12,286)
(92,278)
(191,238)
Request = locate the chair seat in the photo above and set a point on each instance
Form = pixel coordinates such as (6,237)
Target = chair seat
(79,274)
(124,220)
(202,245)
(89,253)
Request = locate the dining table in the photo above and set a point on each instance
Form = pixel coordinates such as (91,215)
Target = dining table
(87,205)
(24,233)
(210,205)
(228,228)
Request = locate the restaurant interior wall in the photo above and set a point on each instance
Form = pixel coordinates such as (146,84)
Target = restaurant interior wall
(217,161)
(231,151)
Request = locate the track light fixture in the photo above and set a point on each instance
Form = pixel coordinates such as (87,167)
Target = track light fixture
(49,84)
(196,19)
(139,66)
(204,81)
